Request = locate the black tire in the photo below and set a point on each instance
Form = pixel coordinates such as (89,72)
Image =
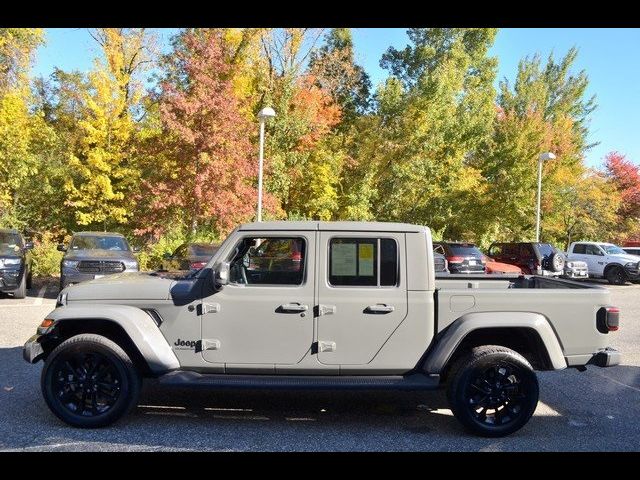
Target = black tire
(496,379)
(72,376)
(615,275)
(21,291)
(30,281)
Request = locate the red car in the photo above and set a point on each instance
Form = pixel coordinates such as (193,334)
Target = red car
(498,267)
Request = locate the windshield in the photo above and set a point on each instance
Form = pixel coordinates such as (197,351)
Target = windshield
(98,242)
(10,243)
(613,250)
(202,250)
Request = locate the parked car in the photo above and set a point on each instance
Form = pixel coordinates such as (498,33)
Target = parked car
(93,255)
(188,257)
(606,260)
(533,258)
(367,314)
(15,263)
(499,267)
(461,257)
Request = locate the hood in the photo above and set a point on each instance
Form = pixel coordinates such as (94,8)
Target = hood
(626,258)
(99,255)
(122,286)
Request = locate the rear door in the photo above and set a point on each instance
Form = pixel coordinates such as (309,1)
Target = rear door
(362,292)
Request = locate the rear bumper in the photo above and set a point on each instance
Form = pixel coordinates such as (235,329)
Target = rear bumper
(608,357)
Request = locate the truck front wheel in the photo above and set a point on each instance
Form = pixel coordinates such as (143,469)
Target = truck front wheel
(615,275)
(493,391)
(89,381)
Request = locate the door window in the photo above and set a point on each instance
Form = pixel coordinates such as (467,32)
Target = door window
(592,250)
(268,261)
(365,262)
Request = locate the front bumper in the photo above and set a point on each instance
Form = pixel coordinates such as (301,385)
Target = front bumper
(10,279)
(633,273)
(32,350)
(576,273)
(609,357)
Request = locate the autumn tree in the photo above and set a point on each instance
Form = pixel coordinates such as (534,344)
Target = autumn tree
(104,166)
(624,177)
(203,173)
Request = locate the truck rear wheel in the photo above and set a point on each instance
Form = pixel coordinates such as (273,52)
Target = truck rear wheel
(493,391)
(89,381)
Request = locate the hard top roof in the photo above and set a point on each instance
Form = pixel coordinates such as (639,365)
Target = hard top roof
(332,226)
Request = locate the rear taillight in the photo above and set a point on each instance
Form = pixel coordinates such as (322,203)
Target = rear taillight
(197,265)
(455,259)
(608,319)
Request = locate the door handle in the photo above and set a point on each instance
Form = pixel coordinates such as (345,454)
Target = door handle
(379,308)
(293,307)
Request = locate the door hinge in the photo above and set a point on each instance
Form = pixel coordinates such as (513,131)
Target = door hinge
(327,346)
(326,310)
(210,344)
(209,308)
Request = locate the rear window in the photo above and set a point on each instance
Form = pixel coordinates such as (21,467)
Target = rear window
(202,250)
(465,249)
(365,262)
(546,249)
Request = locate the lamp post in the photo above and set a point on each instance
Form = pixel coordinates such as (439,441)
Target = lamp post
(263,116)
(542,158)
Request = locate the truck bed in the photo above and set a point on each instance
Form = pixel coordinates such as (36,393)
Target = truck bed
(569,306)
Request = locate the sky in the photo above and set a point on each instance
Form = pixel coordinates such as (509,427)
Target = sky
(610,57)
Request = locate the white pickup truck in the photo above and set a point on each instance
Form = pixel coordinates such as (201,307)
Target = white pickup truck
(331,305)
(606,260)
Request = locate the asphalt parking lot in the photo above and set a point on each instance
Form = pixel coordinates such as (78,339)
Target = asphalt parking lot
(594,410)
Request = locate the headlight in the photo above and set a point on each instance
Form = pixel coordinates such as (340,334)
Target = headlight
(569,264)
(70,263)
(12,261)
(130,265)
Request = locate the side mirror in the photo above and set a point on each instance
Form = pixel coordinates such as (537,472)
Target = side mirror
(136,249)
(62,248)
(221,274)
(28,246)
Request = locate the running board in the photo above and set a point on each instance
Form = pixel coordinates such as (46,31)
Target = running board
(415,381)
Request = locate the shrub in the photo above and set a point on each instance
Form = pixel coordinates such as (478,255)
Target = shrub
(46,257)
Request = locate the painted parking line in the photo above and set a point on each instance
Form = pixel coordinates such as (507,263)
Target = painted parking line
(41,293)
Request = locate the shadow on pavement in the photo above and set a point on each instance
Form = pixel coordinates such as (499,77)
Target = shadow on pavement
(172,418)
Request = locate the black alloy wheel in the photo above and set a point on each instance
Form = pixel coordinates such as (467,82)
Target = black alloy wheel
(493,391)
(89,381)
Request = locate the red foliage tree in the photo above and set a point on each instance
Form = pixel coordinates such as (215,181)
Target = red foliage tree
(207,170)
(625,175)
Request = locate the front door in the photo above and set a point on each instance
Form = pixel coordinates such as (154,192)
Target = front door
(265,314)
(362,292)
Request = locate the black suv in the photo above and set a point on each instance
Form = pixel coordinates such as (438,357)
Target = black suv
(533,258)
(461,257)
(15,263)
(93,255)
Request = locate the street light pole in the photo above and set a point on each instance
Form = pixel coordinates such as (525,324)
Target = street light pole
(263,115)
(543,157)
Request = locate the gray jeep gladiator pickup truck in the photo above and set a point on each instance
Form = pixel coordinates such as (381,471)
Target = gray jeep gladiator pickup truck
(332,305)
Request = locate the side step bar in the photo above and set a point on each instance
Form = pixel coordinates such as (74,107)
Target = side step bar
(415,381)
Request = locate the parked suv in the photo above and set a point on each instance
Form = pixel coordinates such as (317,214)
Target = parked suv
(533,258)
(15,263)
(188,257)
(93,255)
(461,257)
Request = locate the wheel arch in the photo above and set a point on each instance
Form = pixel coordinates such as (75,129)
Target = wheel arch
(529,334)
(132,328)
